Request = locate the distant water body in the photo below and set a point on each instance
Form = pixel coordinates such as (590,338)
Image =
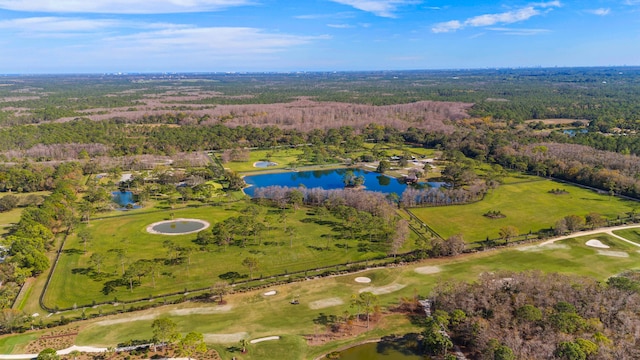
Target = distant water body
(325,179)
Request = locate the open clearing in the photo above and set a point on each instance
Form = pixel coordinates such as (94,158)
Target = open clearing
(225,338)
(126,320)
(202,310)
(325,303)
(542,209)
(427,270)
(379,290)
(535,248)
(620,254)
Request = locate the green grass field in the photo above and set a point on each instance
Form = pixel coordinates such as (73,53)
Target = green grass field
(282,157)
(527,204)
(254,315)
(277,252)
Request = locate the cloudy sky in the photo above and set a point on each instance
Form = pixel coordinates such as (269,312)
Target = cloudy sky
(97,36)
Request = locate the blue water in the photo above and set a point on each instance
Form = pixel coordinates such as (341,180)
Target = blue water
(573,132)
(328,180)
(264,164)
(124,198)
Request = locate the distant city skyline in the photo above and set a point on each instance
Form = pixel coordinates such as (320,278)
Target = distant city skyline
(110,36)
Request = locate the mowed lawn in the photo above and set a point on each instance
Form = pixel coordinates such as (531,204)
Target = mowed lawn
(282,157)
(253,315)
(315,242)
(527,204)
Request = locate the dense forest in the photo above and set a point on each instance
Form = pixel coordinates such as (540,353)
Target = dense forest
(543,316)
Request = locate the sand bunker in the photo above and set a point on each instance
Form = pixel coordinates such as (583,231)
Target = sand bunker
(270,293)
(551,246)
(125,320)
(201,310)
(426,270)
(596,244)
(225,338)
(268,338)
(382,289)
(325,303)
(362,280)
(620,254)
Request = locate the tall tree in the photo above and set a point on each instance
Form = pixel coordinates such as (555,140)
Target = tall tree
(192,343)
(165,331)
(251,263)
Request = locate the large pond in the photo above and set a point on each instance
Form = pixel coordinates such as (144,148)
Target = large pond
(124,199)
(177,226)
(378,351)
(328,180)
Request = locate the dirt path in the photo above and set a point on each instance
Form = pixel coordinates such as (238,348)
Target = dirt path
(608,231)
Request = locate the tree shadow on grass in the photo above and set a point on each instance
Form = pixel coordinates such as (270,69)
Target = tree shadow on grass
(72,251)
(91,273)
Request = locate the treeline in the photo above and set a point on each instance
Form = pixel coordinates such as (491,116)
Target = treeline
(611,172)
(607,96)
(123,139)
(542,316)
(35,232)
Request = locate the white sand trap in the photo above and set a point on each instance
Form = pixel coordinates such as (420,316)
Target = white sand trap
(201,310)
(620,254)
(270,293)
(362,280)
(382,289)
(552,246)
(125,320)
(596,244)
(225,338)
(325,303)
(88,349)
(268,338)
(426,270)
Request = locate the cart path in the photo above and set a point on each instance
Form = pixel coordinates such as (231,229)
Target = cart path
(608,231)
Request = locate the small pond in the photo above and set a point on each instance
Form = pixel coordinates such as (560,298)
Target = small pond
(264,164)
(177,226)
(328,180)
(378,351)
(124,199)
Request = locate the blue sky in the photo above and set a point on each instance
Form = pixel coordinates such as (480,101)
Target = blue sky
(96,36)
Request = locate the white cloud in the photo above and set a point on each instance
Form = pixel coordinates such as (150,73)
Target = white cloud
(382,8)
(503,18)
(56,24)
(340,26)
(547,4)
(508,17)
(448,26)
(120,6)
(216,41)
(600,12)
(521,32)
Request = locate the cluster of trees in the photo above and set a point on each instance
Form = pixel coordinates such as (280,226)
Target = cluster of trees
(613,172)
(368,217)
(26,177)
(413,197)
(34,234)
(536,315)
